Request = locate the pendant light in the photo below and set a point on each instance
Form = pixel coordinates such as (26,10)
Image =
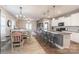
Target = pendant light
(54,12)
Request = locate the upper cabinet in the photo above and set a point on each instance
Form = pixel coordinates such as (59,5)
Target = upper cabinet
(75,19)
(67,21)
(72,20)
(54,22)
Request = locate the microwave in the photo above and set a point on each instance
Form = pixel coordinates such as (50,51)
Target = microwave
(61,24)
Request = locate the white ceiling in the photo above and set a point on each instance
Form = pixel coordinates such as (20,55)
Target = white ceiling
(37,11)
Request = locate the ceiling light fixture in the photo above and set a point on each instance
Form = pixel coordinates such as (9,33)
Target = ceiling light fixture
(46,14)
(54,12)
(20,16)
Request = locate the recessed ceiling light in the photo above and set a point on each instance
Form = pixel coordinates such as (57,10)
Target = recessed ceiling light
(53,18)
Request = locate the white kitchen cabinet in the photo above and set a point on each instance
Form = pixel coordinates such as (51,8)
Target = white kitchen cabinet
(75,20)
(54,22)
(67,21)
(72,20)
(61,19)
(75,37)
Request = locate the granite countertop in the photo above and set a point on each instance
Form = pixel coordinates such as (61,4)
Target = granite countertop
(62,33)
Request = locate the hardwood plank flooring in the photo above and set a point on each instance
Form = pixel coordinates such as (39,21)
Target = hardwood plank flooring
(30,47)
(36,46)
(74,48)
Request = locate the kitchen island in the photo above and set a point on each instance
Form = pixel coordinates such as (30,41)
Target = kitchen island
(62,39)
(59,39)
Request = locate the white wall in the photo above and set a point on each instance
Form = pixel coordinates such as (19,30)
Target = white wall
(5,30)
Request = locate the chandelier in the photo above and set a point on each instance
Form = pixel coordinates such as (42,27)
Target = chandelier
(20,15)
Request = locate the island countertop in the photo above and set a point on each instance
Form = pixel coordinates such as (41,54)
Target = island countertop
(62,33)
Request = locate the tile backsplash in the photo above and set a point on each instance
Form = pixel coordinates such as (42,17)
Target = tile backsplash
(73,28)
(69,28)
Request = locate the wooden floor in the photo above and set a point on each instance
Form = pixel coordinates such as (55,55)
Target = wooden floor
(31,46)
(74,48)
(37,46)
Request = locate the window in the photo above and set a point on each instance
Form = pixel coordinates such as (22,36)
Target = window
(28,26)
(13,24)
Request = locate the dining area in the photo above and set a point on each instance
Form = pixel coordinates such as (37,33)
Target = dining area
(19,38)
(23,41)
